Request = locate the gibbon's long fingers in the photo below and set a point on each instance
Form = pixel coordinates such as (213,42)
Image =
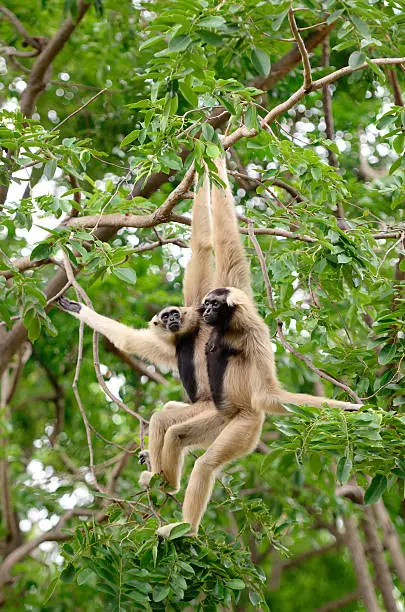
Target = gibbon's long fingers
(301,399)
(172,414)
(199,274)
(232,265)
(198,432)
(142,342)
(238,438)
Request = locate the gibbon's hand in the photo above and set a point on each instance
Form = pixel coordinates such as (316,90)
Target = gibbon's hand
(68,305)
(143,457)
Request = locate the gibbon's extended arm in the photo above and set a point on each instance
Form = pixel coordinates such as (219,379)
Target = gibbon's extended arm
(142,342)
(305,399)
(199,274)
(232,265)
(271,401)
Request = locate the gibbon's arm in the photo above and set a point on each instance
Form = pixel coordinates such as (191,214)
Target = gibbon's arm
(199,274)
(142,342)
(305,399)
(272,401)
(232,265)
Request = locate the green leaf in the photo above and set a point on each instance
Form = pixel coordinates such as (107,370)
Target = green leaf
(126,274)
(387,354)
(356,59)
(68,574)
(171,160)
(361,26)
(130,138)
(179,531)
(50,590)
(160,592)
(278,19)
(251,118)
(344,467)
(50,168)
(255,598)
(376,489)
(41,251)
(179,43)
(399,143)
(342,258)
(261,61)
(212,150)
(212,23)
(236,584)
(86,576)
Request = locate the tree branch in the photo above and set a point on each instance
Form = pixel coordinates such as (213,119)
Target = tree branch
(41,70)
(302,49)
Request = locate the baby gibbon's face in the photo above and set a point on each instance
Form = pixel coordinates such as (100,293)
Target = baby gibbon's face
(169,319)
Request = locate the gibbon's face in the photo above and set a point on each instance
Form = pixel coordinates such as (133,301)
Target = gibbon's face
(169,318)
(215,309)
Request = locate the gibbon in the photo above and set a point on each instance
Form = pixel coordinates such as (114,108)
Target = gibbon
(230,378)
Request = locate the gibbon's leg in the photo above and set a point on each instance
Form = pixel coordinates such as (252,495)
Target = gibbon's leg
(198,432)
(172,414)
(232,265)
(199,274)
(239,437)
(142,342)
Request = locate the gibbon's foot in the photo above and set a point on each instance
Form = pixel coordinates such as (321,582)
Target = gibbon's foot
(68,305)
(145,479)
(165,531)
(143,457)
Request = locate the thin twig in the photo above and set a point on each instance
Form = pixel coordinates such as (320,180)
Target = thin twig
(78,110)
(303,50)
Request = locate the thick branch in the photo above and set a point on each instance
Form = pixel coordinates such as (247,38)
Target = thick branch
(40,72)
(391,539)
(375,552)
(338,604)
(355,546)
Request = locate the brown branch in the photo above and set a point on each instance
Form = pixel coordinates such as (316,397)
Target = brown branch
(339,603)
(375,552)
(364,581)
(302,49)
(396,88)
(391,539)
(310,554)
(24,263)
(18,26)
(41,70)
(78,110)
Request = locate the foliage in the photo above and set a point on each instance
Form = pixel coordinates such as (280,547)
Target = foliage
(337,288)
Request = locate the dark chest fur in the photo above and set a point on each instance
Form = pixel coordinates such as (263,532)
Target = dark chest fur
(218,353)
(185,363)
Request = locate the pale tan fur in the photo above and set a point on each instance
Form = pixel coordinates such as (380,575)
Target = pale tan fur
(251,381)
(251,385)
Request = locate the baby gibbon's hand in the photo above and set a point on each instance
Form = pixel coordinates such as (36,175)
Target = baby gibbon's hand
(68,305)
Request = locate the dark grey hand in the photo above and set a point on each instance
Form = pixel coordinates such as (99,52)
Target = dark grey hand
(143,457)
(68,305)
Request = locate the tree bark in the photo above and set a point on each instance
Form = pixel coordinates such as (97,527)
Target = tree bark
(355,546)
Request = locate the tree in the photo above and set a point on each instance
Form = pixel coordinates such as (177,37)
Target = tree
(107,110)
